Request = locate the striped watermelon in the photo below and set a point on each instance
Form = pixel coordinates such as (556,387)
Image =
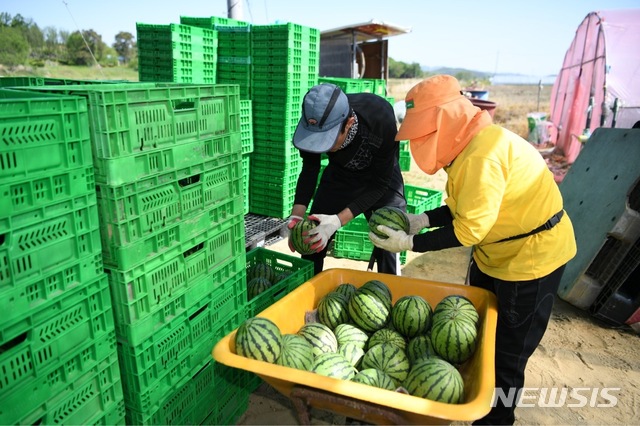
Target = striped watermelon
(411,315)
(390,216)
(296,352)
(349,333)
(381,289)
(333,309)
(259,338)
(389,359)
(320,336)
(456,306)
(420,347)
(368,310)
(437,380)
(281,276)
(261,269)
(297,238)
(333,365)
(346,289)
(374,377)
(454,339)
(257,286)
(352,352)
(387,335)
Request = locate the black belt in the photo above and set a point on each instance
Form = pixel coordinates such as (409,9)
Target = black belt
(555,219)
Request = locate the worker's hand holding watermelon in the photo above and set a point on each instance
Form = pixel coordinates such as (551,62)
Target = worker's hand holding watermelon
(417,222)
(396,241)
(320,235)
(285,231)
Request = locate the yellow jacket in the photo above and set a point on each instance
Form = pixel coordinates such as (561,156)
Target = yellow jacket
(499,186)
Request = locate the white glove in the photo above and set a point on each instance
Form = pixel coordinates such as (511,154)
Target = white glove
(396,242)
(285,231)
(417,222)
(321,234)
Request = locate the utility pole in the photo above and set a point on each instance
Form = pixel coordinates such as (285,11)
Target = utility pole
(234,9)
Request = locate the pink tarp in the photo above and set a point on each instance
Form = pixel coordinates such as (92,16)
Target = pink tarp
(602,65)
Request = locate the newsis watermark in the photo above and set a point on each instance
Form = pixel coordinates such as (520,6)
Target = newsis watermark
(557,397)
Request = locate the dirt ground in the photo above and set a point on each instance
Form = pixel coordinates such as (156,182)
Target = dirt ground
(577,351)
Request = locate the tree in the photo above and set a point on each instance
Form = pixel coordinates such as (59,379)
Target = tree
(124,45)
(79,52)
(14,49)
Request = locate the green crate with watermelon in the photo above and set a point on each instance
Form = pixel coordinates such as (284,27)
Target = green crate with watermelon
(285,272)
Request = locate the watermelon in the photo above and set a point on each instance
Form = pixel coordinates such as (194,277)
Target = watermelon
(389,359)
(261,269)
(333,309)
(281,276)
(411,316)
(368,310)
(320,336)
(380,288)
(437,380)
(349,333)
(352,352)
(333,365)
(390,216)
(297,238)
(259,338)
(420,347)
(296,352)
(257,286)
(454,339)
(346,289)
(456,306)
(387,335)
(374,377)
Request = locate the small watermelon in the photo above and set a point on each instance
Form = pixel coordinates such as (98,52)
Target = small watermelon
(454,339)
(297,238)
(333,365)
(259,338)
(347,289)
(374,377)
(333,309)
(389,359)
(387,335)
(349,333)
(411,315)
(437,380)
(257,286)
(261,269)
(368,310)
(420,347)
(380,288)
(352,352)
(296,352)
(456,306)
(281,276)
(320,336)
(390,216)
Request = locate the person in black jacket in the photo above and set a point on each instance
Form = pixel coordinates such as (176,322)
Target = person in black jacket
(357,133)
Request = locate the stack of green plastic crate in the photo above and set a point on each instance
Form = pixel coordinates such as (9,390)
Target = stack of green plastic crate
(358,85)
(177,53)
(285,64)
(234,49)
(168,161)
(58,357)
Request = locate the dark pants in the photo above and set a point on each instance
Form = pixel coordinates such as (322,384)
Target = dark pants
(524,309)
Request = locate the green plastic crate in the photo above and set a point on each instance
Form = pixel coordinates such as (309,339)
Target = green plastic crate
(46,351)
(213,22)
(246,170)
(92,399)
(42,134)
(144,290)
(299,270)
(159,366)
(421,199)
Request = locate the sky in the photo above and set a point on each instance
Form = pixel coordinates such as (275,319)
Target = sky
(496,36)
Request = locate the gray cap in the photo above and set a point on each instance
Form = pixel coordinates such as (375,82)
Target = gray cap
(324,108)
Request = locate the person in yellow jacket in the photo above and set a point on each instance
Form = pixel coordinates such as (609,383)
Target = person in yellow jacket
(503,202)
